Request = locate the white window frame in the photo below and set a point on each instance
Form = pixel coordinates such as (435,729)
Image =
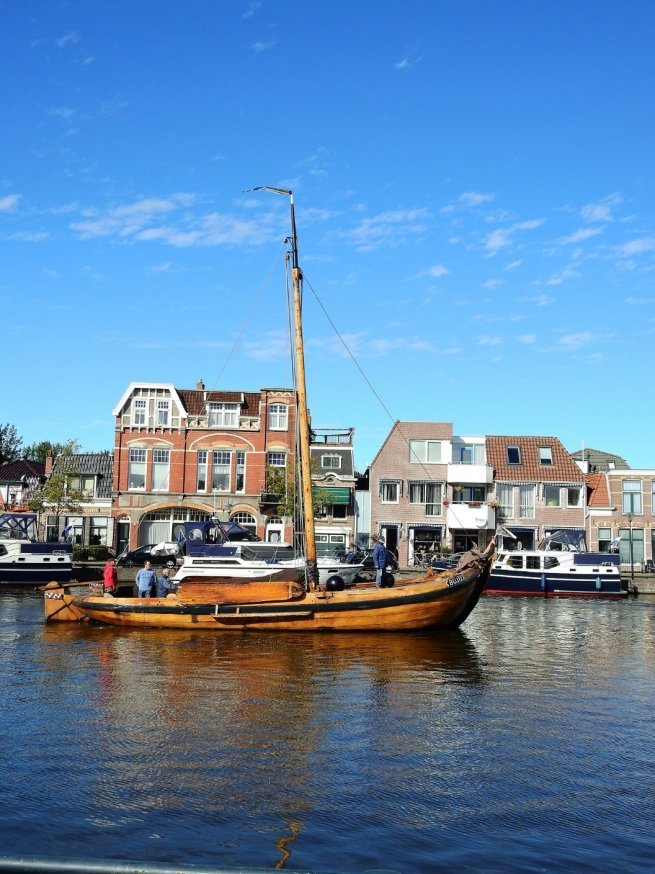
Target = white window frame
(526,501)
(223,414)
(545,455)
(555,499)
(577,489)
(278,417)
(163,413)
(221,458)
(240,472)
(201,471)
(516,449)
(421,450)
(632,498)
(139,412)
(137,456)
(387,489)
(276,459)
(505,494)
(331,458)
(161,470)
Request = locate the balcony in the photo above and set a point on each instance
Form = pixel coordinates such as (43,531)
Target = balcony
(471,474)
(246,423)
(471,516)
(268,500)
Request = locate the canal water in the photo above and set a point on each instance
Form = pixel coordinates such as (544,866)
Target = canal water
(523,742)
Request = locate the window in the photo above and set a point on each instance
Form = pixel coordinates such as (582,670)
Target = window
(471,453)
(247,520)
(425,451)
(84,484)
(389,491)
(139,411)
(136,474)
(98,531)
(221,471)
(161,470)
(526,502)
(545,455)
(202,471)
(75,525)
(339,511)
(552,496)
(333,461)
(574,496)
(632,496)
(505,500)
(52,531)
(163,413)
(428,494)
(223,415)
(469,494)
(631,545)
(276,459)
(278,415)
(513,455)
(240,485)
(604,539)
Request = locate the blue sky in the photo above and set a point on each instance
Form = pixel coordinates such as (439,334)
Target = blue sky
(474,195)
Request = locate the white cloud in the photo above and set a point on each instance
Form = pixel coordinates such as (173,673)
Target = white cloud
(388,228)
(252,8)
(541,300)
(497,240)
(492,284)
(436,272)
(490,341)
(576,340)
(28,236)
(262,46)
(514,264)
(468,199)
(68,39)
(528,339)
(9,202)
(601,211)
(636,247)
(565,274)
(580,235)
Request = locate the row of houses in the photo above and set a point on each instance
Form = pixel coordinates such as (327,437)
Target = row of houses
(188,454)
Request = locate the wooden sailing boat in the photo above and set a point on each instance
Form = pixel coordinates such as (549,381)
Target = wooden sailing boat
(429,601)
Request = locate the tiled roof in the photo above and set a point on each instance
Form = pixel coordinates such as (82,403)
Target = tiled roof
(597,491)
(597,459)
(195,401)
(14,470)
(100,464)
(563,468)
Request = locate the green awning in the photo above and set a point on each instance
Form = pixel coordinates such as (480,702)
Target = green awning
(334,496)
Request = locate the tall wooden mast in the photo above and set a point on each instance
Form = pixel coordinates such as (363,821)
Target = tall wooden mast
(301,386)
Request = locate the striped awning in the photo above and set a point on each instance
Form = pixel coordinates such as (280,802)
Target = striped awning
(334,496)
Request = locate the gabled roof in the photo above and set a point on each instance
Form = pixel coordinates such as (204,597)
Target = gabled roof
(98,464)
(13,471)
(530,469)
(598,494)
(195,400)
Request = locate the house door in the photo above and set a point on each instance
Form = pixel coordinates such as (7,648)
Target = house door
(274,530)
(122,535)
(390,535)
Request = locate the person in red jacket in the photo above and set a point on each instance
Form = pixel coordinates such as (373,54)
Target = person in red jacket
(110,577)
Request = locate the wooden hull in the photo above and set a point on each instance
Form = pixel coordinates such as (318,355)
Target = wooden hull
(442,601)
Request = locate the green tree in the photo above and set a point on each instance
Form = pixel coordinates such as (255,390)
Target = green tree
(11,444)
(39,451)
(55,496)
(282,482)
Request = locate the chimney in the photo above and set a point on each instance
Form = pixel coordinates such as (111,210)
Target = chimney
(48,464)
(200,385)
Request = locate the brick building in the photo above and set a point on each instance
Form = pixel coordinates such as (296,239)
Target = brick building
(185,454)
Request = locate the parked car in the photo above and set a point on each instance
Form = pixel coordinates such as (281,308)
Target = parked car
(365,557)
(167,554)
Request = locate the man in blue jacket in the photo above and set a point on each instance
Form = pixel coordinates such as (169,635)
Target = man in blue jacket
(379,561)
(146,581)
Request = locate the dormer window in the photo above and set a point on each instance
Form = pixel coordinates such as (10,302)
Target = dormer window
(331,461)
(163,413)
(513,455)
(223,415)
(278,417)
(545,455)
(139,411)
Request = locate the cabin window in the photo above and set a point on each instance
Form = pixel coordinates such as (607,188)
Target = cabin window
(552,496)
(202,471)
(221,462)
(278,417)
(513,455)
(139,411)
(240,484)
(425,451)
(161,470)
(532,562)
(632,496)
(515,561)
(550,561)
(136,475)
(223,415)
(545,455)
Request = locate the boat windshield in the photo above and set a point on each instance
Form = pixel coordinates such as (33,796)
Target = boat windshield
(564,540)
(18,526)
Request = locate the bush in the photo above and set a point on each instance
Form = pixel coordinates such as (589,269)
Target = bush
(91,553)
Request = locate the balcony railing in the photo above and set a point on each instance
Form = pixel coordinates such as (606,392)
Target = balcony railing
(471,474)
(471,515)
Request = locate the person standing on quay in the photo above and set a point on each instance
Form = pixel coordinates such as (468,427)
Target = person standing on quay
(146,580)
(379,561)
(110,577)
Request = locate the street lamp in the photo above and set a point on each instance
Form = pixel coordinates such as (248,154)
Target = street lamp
(632,564)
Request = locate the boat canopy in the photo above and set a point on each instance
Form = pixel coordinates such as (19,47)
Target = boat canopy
(18,526)
(565,540)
